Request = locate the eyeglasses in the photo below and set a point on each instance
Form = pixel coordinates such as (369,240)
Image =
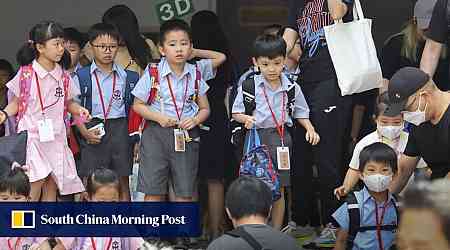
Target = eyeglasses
(105,47)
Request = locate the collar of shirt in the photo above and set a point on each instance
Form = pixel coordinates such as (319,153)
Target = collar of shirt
(366,197)
(260,80)
(56,73)
(116,68)
(164,69)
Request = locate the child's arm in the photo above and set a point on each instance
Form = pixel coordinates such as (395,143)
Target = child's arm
(201,116)
(77,110)
(311,135)
(10,110)
(143,110)
(247,120)
(341,239)
(217,58)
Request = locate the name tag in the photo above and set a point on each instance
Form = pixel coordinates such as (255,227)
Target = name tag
(46,132)
(180,140)
(283,158)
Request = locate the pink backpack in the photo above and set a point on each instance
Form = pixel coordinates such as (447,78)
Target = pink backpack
(26,76)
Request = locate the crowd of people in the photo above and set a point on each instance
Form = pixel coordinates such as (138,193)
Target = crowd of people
(94,104)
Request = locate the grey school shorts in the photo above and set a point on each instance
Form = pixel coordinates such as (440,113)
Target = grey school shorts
(270,138)
(114,152)
(159,162)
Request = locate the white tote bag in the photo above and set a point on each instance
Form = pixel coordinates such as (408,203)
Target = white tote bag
(353,53)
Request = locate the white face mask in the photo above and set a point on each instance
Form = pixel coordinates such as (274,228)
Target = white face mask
(377,182)
(390,132)
(417,117)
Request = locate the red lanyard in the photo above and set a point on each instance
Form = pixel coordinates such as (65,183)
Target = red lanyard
(43,108)
(179,114)
(379,223)
(15,245)
(100,92)
(280,127)
(94,247)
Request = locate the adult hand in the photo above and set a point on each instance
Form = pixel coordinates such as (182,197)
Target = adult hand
(249,122)
(312,137)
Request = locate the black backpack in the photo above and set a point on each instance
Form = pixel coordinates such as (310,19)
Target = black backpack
(355,220)
(238,130)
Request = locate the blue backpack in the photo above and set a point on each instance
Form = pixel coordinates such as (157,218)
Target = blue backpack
(85,79)
(257,163)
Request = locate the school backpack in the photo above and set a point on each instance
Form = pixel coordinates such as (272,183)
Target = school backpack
(238,130)
(257,163)
(240,232)
(355,220)
(85,79)
(26,76)
(135,122)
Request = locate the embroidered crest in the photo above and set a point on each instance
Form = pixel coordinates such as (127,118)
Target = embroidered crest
(59,92)
(117,95)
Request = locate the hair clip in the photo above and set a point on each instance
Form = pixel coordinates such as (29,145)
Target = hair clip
(17,165)
(30,42)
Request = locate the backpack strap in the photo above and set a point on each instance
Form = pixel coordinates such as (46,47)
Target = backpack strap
(26,76)
(248,92)
(291,97)
(85,80)
(131,80)
(240,232)
(355,220)
(153,74)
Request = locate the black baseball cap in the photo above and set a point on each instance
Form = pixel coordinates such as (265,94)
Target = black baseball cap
(403,84)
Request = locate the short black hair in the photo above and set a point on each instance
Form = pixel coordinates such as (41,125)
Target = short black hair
(269,46)
(75,35)
(275,28)
(380,153)
(6,66)
(15,181)
(101,29)
(248,196)
(173,25)
(101,177)
(434,196)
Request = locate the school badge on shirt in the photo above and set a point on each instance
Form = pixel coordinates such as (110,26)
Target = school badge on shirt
(117,95)
(59,92)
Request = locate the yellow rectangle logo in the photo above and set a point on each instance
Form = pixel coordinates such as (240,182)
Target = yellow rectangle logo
(21,219)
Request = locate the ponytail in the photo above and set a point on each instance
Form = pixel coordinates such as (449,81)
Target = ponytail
(65,61)
(26,54)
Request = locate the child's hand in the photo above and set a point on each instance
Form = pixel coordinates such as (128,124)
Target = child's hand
(340,192)
(92,136)
(167,122)
(249,122)
(312,137)
(84,114)
(2,117)
(188,123)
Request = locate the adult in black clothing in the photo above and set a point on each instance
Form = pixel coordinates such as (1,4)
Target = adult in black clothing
(437,36)
(215,148)
(330,112)
(405,48)
(413,93)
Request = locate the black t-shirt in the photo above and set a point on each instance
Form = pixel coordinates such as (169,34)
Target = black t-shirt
(308,17)
(439,24)
(392,60)
(431,142)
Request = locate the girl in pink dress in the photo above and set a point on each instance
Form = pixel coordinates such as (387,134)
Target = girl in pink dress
(15,187)
(43,95)
(103,186)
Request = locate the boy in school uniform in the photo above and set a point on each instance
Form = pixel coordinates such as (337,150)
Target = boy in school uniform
(169,143)
(369,218)
(272,113)
(106,91)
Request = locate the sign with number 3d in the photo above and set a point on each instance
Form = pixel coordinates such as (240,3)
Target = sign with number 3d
(171,9)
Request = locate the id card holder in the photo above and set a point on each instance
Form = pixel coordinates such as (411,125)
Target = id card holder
(283,158)
(45,129)
(180,140)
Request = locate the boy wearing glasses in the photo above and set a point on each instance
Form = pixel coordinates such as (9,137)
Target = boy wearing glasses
(106,91)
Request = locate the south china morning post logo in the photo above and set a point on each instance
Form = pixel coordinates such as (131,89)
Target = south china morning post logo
(23,219)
